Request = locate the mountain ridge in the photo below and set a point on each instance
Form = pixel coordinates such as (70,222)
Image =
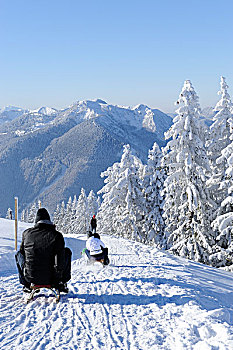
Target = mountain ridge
(53,156)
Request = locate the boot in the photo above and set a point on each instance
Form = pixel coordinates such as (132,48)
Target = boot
(62,287)
(26,289)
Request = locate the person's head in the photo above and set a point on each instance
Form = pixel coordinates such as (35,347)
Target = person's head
(89,234)
(42,214)
(96,235)
(93,216)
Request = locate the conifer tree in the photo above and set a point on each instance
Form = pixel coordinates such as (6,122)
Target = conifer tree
(9,214)
(153,182)
(123,205)
(32,213)
(72,215)
(23,216)
(187,203)
(56,216)
(81,224)
(219,138)
(59,217)
(106,213)
(223,224)
(67,216)
(98,203)
(74,205)
(92,203)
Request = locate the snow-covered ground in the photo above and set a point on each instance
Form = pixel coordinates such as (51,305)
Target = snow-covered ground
(145,299)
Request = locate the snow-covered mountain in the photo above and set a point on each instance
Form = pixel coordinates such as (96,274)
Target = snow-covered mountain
(45,111)
(145,299)
(139,117)
(52,154)
(9,113)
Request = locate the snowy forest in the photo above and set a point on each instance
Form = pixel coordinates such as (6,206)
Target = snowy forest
(181,200)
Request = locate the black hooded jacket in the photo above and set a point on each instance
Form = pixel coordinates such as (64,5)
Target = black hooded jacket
(93,223)
(39,246)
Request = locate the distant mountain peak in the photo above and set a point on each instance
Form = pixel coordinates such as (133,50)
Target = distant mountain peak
(98,100)
(140,107)
(12,108)
(9,113)
(45,110)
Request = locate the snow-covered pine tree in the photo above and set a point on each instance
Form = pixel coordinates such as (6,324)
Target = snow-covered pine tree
(153,182)
(71,215)
(67,216)
(32,213)
(123,207)
(56,216)
(92,203)
(223,224)
(24,215)
(98,203)
(81,224)
(9,214)
(187,204)
(218,139)
(74,205)
(106,213)
(59,217)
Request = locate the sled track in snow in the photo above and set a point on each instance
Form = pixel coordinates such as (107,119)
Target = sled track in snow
(145,299)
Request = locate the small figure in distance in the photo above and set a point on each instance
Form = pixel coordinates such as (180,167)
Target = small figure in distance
(95,249)
(42,258)
(93,224)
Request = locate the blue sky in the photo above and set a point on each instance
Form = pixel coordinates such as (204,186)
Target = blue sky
(127,52)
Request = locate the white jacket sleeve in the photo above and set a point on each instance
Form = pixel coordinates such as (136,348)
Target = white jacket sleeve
(88,244)
(102,244)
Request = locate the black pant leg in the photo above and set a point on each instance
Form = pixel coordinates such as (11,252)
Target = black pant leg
(66,274)
(20,261)
(106,259)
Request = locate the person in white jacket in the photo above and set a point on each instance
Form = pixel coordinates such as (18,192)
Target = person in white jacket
(95,245)
(96,249)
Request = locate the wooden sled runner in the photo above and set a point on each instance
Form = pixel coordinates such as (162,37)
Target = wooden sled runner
(37,287)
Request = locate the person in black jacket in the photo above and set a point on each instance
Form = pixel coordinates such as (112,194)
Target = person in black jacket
(42,258)
(93,224)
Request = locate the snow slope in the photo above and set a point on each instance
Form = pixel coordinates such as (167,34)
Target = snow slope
(146,299)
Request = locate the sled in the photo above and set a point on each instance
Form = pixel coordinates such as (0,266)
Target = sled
(92,261)
(36,288)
